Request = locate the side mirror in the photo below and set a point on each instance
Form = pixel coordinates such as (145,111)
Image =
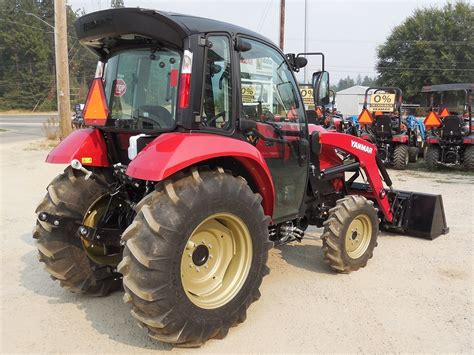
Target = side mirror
(320,84)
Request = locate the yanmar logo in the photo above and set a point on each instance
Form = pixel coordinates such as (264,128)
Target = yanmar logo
(360,146)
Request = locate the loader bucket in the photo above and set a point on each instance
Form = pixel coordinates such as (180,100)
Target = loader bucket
(418,214)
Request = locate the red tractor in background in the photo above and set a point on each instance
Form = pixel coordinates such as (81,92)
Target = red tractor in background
(450,134)
(196,160)
(397,143)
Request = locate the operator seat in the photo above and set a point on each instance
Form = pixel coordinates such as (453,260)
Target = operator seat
(452,127)
(157,114)
(383,126)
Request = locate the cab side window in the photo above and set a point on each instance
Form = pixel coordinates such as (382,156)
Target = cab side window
(268,87)
(217,91)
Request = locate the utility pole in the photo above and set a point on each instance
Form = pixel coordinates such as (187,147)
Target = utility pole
(305,36)
(282,24)
(62,68)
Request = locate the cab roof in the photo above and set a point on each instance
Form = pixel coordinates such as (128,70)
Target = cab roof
(102,29)
(448,87)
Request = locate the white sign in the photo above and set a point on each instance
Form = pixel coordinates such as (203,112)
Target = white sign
(382,102)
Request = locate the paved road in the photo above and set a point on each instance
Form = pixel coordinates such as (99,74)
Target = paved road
(21,127)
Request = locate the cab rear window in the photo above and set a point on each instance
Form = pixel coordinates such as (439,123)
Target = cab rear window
(141,86)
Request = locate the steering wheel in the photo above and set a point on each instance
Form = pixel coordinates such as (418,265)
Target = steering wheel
(267,115)
(142,119)
(208,121)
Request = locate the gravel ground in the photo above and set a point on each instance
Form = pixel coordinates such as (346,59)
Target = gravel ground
(414,296)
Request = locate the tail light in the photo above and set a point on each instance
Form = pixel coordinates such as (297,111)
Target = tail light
(185,80)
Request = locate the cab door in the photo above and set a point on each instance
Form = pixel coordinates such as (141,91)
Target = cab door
(270,97)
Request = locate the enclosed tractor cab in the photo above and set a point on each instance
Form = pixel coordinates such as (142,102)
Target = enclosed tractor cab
(397,143)
(450,132)
(197,158)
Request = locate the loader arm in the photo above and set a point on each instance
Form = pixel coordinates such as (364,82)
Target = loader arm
(406,212)
(366,154)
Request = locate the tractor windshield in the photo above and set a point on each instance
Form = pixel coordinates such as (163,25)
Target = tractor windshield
(141,88)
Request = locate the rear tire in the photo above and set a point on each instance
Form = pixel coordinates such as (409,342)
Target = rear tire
(413,154)
(400,157)
(350,234)
(161,243)
(469,158)
(60,249)
(432,157)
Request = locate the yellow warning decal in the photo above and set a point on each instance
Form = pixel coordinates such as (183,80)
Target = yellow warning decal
(86,160)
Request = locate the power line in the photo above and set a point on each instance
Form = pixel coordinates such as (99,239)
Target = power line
(264,15)
(34,27)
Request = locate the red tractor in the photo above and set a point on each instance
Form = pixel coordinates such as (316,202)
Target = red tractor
(450,135)
(196,160)
(397,142)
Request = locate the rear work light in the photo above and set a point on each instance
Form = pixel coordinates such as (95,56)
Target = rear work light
(185,80)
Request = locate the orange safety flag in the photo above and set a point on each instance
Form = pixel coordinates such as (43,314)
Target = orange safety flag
(444,113)
(432,120)
(96,110)
(365,117)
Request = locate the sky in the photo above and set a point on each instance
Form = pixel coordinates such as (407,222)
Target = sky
(347,32)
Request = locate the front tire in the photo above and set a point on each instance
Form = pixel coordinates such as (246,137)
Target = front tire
(171,277)
(60,249)
(350,234)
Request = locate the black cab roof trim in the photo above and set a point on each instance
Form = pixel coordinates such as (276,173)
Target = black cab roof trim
(166,27)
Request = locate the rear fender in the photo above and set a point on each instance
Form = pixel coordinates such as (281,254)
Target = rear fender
(432,140)
(173,152)
(468,139)
(86,145)
(401,138)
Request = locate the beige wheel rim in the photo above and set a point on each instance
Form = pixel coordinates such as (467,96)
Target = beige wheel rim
(216,260)
(96,251)
(358,236)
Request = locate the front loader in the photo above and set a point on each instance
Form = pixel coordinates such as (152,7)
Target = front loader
(197,158)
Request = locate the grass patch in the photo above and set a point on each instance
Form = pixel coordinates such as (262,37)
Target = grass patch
(45,144)
(51,128)
(3,130)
